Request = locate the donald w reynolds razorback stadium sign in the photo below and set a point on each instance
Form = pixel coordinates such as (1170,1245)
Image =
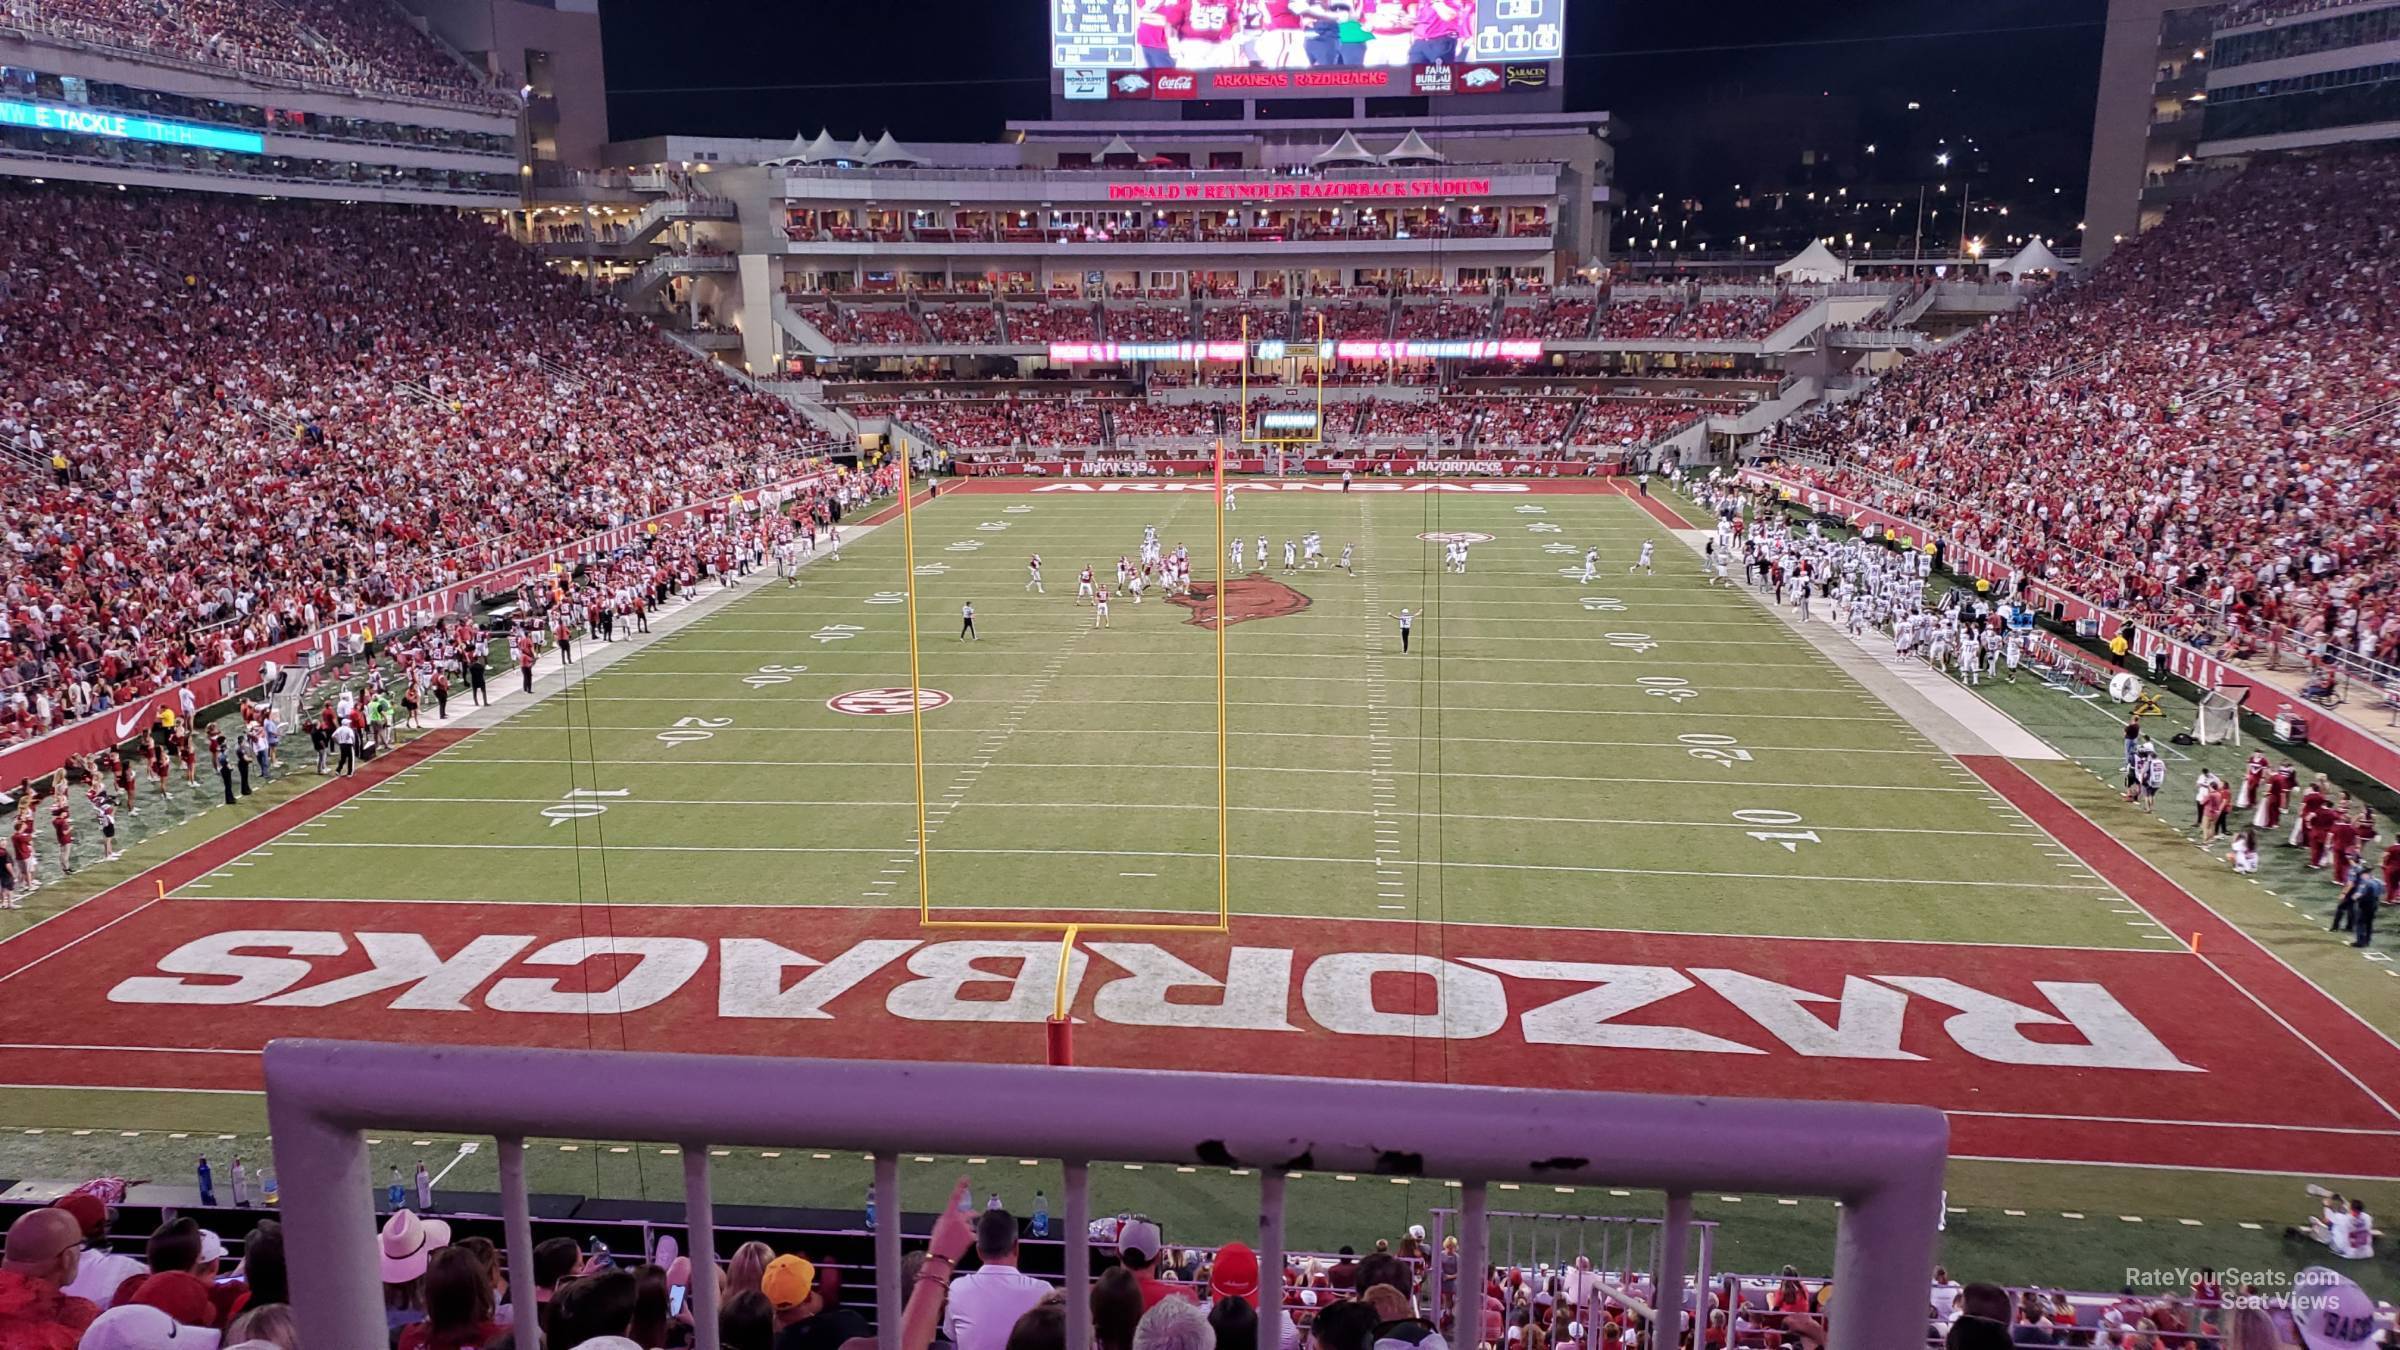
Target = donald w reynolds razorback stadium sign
(1300,189)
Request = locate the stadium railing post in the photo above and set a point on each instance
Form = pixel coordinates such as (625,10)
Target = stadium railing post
(516,1212)
(1078,1204)
(699,1241)
(1270,1254)
(1667,1286)
(888,1223)
(1474,1243)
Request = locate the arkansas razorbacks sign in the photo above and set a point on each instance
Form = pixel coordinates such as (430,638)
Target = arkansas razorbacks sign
(2132,1054)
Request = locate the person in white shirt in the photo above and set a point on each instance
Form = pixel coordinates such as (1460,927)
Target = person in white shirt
(2244,853)
(100,1271)
(2345,1228)
(986,1302)
(1943,1298)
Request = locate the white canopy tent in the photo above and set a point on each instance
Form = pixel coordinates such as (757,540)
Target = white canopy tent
(1118,149)
(1814,263)
(2034,257)
(1347,150)
(888,151)
(1412,149)
(795,153)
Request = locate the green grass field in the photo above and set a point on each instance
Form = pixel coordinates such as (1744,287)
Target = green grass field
(1645,773)
(1515,768)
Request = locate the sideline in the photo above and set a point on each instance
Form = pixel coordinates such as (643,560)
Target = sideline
(55,933)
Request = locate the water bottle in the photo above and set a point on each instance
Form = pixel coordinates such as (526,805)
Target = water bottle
(1041,1215)
(395,1193)
(870,1209)
(267,1193)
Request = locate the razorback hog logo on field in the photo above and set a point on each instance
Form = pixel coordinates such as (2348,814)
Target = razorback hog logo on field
(1246,598)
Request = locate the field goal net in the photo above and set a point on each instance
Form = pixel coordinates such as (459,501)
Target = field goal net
(2220,720)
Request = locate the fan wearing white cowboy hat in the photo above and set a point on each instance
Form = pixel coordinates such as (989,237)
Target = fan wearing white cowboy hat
(2331,1311)
(408,1242)
(138,1326)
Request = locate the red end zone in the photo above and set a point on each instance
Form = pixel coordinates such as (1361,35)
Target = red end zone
(2044,1054)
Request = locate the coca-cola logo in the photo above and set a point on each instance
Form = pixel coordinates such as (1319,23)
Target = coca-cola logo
(1175,84)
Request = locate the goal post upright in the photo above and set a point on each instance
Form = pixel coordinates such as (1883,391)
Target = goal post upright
(916,695)
(1068,930)
(1224,850)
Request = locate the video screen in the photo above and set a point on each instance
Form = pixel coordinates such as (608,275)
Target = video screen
(1301,34)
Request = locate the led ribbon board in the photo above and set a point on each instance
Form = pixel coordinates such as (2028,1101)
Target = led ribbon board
(121,127)
(1078,353)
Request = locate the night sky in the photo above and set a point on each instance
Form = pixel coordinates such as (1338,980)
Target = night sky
(1706,96)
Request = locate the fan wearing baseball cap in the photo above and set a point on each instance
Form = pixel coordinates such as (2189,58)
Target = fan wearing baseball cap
(138,1326)
(101,1270)
(1139,1245)
(39,1261)
(1234,1275)
(183,1248)
(805,1316)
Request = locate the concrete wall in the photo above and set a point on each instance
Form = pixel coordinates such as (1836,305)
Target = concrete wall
(2112,195)
(497,34)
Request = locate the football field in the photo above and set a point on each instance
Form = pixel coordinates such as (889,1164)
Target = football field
(1634,833)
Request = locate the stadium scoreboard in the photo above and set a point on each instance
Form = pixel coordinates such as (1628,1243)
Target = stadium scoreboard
(1112,50)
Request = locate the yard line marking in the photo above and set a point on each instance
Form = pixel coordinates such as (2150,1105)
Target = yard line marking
(881,804)
(1391,885)
(691,699)
(785,904)
(1245,857)
(1243,768)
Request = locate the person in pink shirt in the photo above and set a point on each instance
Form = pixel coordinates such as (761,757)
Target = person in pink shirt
(1444,29)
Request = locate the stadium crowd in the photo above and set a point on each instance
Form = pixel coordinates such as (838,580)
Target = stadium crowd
(1225,323)
(1051,323)
(1559,317)
(1734,318)
(1148,322)
(2198,436)
(317,42)
(258,437)
(963,323)
(1443,320)
(1633,320)
(63,1288)
(1633,421)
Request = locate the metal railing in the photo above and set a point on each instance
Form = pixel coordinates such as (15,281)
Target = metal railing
(1883,1163)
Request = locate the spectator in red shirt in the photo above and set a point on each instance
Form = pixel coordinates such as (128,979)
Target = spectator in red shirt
(39,1262)
(1140,1244)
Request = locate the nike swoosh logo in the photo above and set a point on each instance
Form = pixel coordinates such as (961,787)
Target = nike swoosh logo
(131,719)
